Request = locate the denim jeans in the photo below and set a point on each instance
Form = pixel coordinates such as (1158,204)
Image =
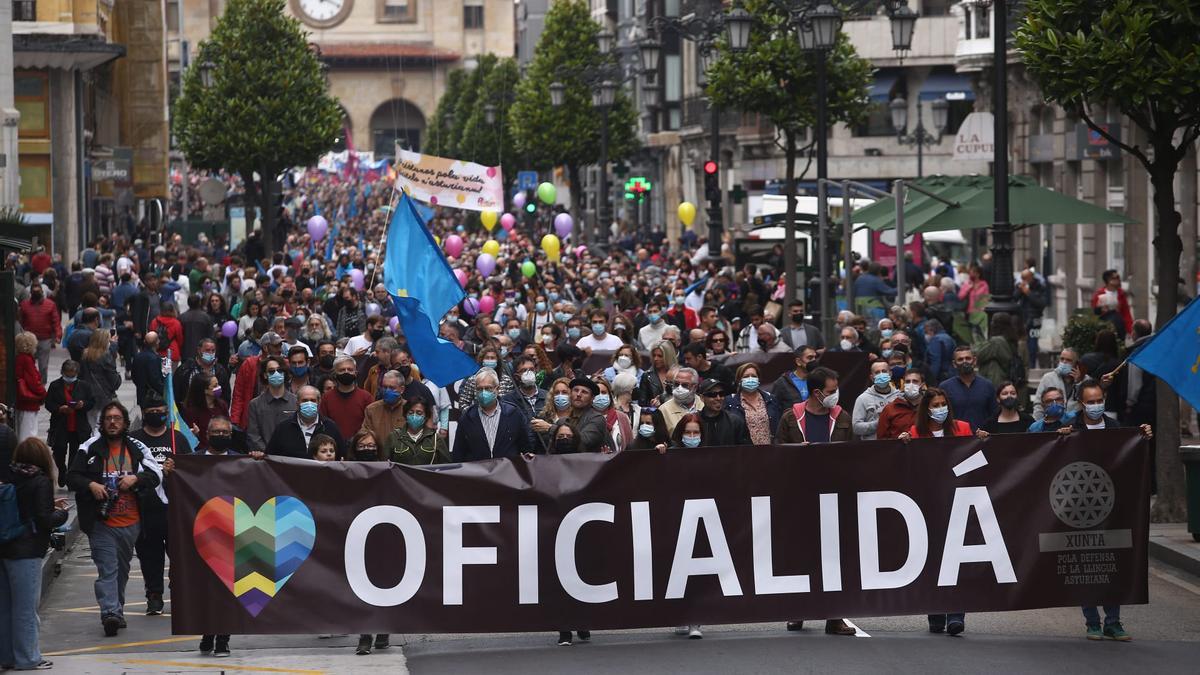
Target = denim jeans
(152,548)
(112,551)
(1112,614)
(20,586)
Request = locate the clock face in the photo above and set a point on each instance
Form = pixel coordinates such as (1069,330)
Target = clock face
(322,13)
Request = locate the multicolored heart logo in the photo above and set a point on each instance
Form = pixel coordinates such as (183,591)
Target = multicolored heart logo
(254,554)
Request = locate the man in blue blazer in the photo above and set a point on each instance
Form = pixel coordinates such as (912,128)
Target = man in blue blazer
(490,428)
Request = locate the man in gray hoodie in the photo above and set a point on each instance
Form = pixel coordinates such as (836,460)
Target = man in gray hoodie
(872,401)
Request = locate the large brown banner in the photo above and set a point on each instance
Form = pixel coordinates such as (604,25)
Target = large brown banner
(712,535)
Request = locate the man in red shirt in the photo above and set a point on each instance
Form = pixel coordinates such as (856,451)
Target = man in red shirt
(39,315)
(1112,284)
(898,416)
(347,404)
(249,379)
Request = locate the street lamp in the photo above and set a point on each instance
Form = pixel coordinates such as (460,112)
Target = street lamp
(489,113)
(604,42)
(602,98)
(737,29)
(558,93)
(903,22)
(649,49)
(207,73)
(920,137)
(1001,283)
(650,92)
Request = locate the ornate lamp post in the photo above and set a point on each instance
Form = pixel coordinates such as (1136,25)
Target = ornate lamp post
(920,137)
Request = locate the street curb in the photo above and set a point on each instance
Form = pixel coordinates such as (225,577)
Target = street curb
(1175,555)
(51,563)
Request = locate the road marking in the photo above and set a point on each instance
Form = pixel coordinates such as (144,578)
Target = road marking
(122,645)
(95,608)
(1172,579)
(225,665)
(858,632)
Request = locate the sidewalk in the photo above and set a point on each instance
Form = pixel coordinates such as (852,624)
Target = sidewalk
(304,662)
(1172,544)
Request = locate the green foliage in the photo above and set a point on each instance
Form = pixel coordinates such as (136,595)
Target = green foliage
(775,78)
(441,139)
(11,215)
(492,144)
(268,108)
(1080,332)
(569,134)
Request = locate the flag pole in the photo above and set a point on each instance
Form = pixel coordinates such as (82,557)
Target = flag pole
(383,239)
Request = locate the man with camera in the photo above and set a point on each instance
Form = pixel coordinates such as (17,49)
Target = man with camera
(113,475)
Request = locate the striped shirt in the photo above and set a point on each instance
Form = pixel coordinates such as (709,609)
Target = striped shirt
(491,424)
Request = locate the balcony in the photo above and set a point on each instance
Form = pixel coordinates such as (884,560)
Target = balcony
(976,26)
(697,113)
(24,10)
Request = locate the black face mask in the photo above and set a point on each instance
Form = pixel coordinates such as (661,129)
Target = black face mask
(346,378)
(326,361)
(155,419)
(376,334)
(797,318)
(220,443)
(563,446)
(372,456)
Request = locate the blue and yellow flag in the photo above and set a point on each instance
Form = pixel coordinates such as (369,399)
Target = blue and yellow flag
(176,422)
(1173,354)
(423,288)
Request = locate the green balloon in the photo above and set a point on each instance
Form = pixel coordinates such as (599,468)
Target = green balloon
(527,267)
(546,193)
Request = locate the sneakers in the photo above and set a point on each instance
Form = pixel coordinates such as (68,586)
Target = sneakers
(382,641)
(121,621)
(41,665)
(838,627)
(795,625)
(154,604)
(364,645)
(694,633)
(1095,633)
(585,636)
(955,628)
(206,645)
(1115,631)
(112,624)
(222,648)
(564,638)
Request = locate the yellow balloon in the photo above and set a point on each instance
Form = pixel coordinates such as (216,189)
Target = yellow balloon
(492,247)
(437,239)
(686,213)
(551,245)
(489,219)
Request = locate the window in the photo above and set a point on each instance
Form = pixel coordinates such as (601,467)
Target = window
(24,10)
(32,100)
(172,16)
(473,14)
(956,112)
(936,7)
(878,121)
(396,11)
(983,21)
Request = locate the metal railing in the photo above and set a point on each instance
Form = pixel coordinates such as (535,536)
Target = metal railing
(24,10)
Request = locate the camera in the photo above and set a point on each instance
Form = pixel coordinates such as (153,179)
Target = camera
(108,503)
(58,540)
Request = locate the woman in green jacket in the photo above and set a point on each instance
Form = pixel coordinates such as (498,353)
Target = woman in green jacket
(416,443)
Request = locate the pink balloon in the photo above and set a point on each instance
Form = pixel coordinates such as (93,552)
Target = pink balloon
(356,278)
(508,221)
(471,306)
(519,200)
(317,227)
(580,250)
(563,224)
(454,245)
(487,303)
(229,329)
(462,277)
(486,264)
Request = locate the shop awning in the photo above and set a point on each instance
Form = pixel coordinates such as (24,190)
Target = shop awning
(67,52)
(947,85)
(881,87)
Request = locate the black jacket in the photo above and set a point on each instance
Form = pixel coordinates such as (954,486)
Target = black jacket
(182,379)
(512,435)
(517,399)
(288,438)
(142,308)
(724,428)
(35,501)
(197,325)
(87,466)
(147,374)
(55,398)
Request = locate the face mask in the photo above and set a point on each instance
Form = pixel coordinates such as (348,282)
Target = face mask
(540,307)
(846,345)
(562,317)
(1055,409)
(898,372)
(553,296)
(389,396)
(624,362)
(646,430)
(504,352)
(561,401)
(798,318)
(691,441)
(1009,402)
(887,353)
(220,443)
(489,363)
(308,409)
(882,380)
(1094,410)
(547,340)
(528,378)
(1063,369)
(682,394)
(965,368)
(830,400)
(601,402)
(299,371)
(376,334)
(208,358)
(564,446)
(514,333)
(275,379)
(679,300)
(939,415)
(70,380)
(912,390)
(415,420)
(216,392)
(886,333)
(598,329)
(573,333)
(155,419)
(486,398)
(750,383)
(326,361)
(654,318)
(346,378)
(366,454)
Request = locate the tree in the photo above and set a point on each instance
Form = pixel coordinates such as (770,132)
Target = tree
(492,144)
(267,109)
(1143,57)
(774,77)
(441,139)
(569,135)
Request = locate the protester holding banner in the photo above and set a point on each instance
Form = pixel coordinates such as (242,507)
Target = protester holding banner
(898,416)
(819,419)
(1011,419)
(872,401)
(490,428)
(760,410)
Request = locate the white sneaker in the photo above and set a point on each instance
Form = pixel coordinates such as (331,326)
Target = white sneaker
(682,630)
(694,633)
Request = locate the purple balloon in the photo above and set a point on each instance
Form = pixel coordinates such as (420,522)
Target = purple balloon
(563,225)
(229,329)
(486,264)
(317,227)
(356,278)
(519,200)
(471,306)
(394,324)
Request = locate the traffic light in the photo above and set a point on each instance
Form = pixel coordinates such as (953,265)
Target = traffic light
(712,182)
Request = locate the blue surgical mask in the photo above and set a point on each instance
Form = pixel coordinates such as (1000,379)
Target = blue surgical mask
(1055,409)
(653,318)
(939,415)
(553,295)
(208,358)
(276,378)
(486,397)
(598,329)
(70,380)
(562,317)
(415,420)
(389,396)
(503,352)
(691,441)
(514,333)
(750,383)
(646,430)
(601,402)
(573,333)
(561,401)
(489,363)
(539,307)
(1094,410)
(1063,369)
(308,409)
(887,353)
(886,333)
(882,380)
(299,371)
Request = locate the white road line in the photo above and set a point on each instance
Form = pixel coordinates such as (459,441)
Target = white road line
(858,632)
(1174,580)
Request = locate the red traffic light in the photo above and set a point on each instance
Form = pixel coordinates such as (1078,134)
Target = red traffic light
(710,167)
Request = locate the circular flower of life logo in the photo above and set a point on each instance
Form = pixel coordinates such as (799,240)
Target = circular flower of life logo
(1082,495)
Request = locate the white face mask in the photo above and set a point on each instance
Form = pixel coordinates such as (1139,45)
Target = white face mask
(624,362)
(528,378)
(846,345)
(830,400)
(912,390)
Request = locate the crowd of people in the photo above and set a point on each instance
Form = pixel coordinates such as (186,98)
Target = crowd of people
(295,352)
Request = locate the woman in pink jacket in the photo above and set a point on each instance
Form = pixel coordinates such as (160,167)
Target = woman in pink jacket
(974,288)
